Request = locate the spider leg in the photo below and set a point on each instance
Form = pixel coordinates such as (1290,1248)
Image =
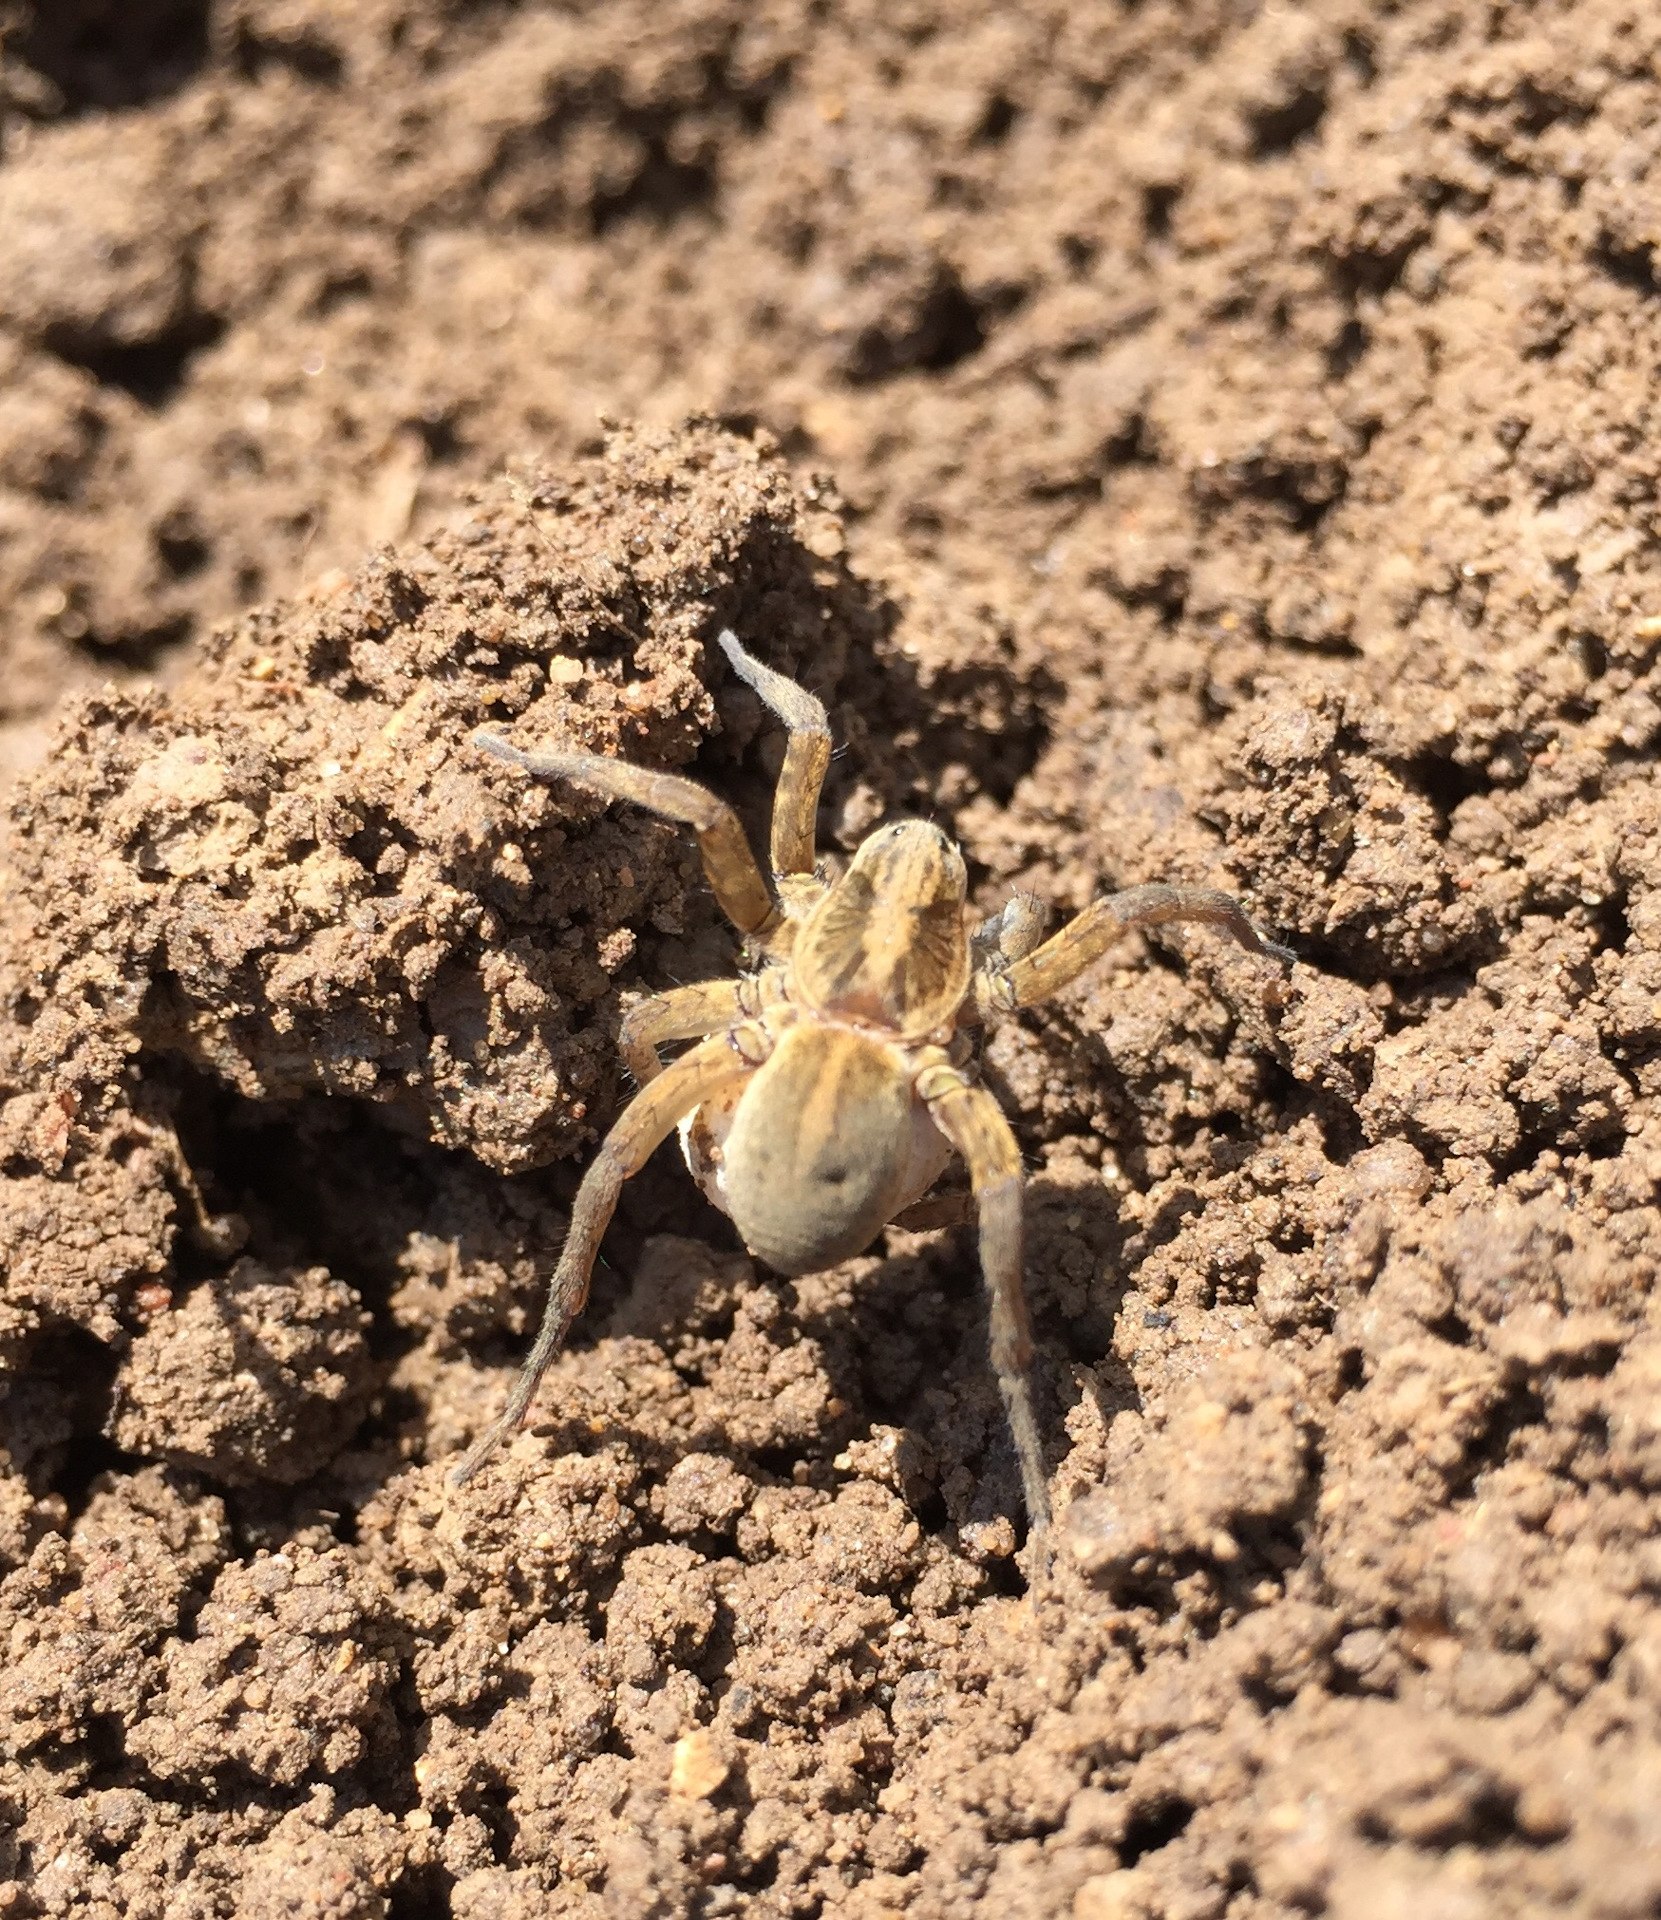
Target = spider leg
(974,1123)
(739,886)
(681,1013)
(935,1210)
(1064,956)
(807,754)
(1002,937)
(648,1119)
(1013,932)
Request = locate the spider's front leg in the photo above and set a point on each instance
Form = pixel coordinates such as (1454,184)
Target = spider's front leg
(974,1123)
(738,883)
(648,1120)
(1086,937)
(807,753)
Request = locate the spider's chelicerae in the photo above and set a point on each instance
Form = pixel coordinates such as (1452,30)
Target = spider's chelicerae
(832,1083)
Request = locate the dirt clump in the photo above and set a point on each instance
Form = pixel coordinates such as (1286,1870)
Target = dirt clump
(291,1344)
(1242,423)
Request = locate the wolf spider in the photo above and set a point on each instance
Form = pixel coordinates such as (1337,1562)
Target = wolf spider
(832,1083)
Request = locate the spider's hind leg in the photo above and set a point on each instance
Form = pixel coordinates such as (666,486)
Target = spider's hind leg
(974,1123)
(648,1120)
(953,1208)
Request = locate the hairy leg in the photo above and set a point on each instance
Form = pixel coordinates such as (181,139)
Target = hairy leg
(951,1209)
(973,1122)
(681,1013)
(1012,932)
(1088,936)
(807,754)
(743,893)
(648,1119)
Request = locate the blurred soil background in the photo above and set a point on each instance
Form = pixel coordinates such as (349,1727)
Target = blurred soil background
(1191,439)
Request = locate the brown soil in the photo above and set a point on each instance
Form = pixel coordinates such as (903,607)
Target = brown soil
(1246,468)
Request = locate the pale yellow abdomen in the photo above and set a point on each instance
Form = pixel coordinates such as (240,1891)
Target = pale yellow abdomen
(818,1150)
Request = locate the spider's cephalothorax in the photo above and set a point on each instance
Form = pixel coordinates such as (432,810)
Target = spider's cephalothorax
(831,1085)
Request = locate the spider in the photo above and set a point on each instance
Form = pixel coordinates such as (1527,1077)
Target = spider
(833,1081)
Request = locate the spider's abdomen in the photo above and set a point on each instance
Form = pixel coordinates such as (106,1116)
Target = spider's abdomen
(824,1147)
